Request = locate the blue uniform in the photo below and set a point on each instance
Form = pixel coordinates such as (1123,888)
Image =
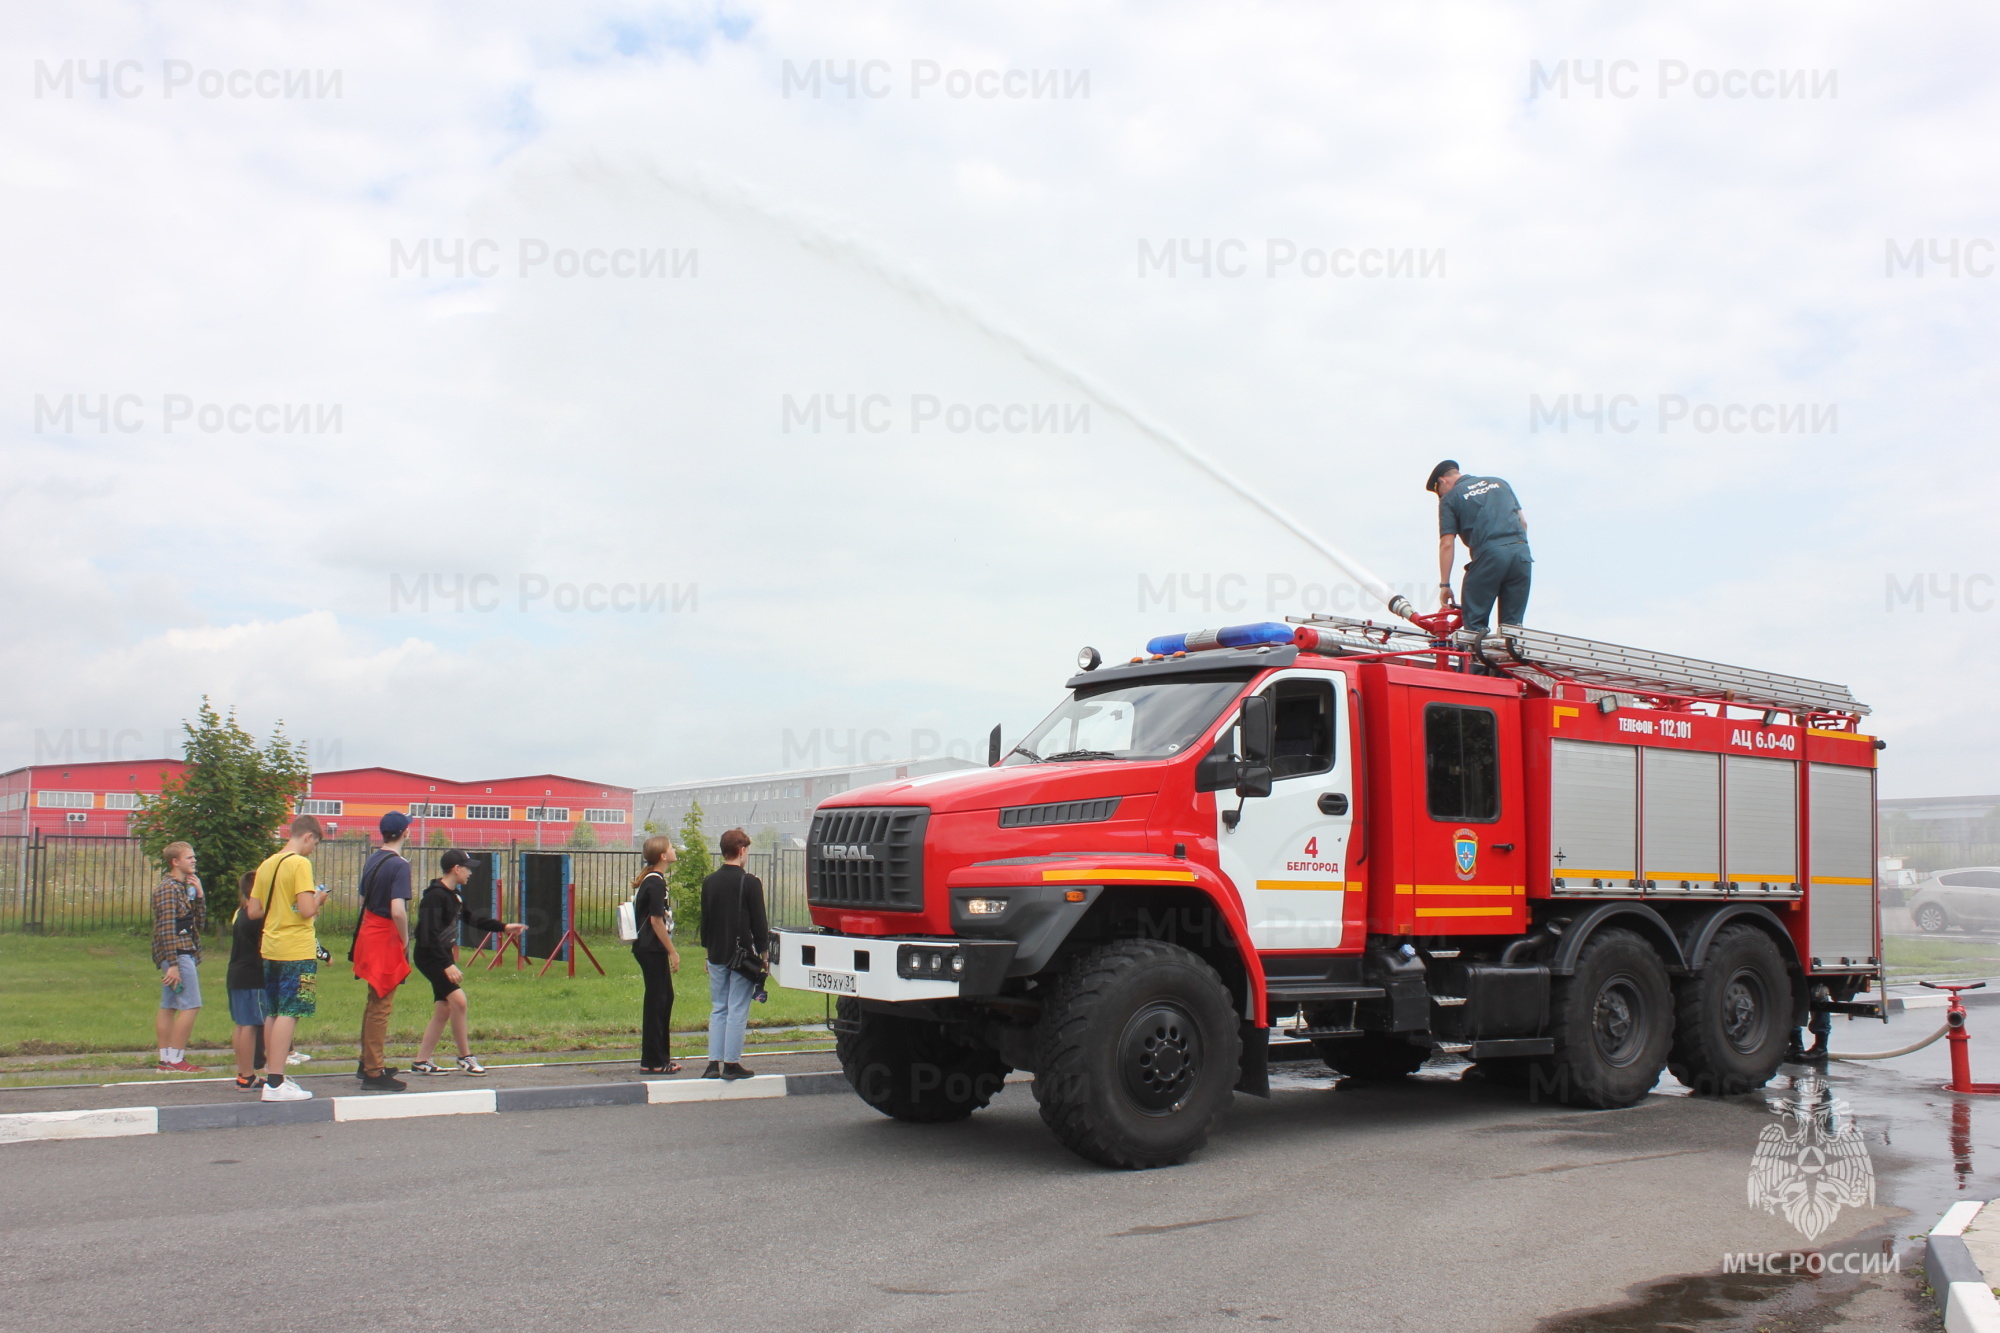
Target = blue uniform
(1483,512)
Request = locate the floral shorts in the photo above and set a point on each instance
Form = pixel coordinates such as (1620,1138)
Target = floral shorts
(290,988)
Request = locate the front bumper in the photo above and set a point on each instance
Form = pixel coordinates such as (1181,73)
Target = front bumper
(874,967)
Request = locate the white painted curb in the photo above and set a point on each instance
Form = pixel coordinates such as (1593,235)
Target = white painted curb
(403,1105)
(664,1090)
(1957,1218)
(25,1126)
(1969,1307)
(31,1126)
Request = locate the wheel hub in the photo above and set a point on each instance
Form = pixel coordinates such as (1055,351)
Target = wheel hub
(1743,1012)
(1159,1055)
(1619,1021)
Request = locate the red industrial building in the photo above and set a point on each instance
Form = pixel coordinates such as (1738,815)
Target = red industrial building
(96,799)
(100,798)
(545,806)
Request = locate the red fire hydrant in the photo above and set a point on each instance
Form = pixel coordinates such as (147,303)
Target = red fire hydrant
(1961,1060)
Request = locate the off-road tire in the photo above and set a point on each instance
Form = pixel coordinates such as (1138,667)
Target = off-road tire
(1378,1056)
(914,1070)
(1612,1021)
(1137,1052)
(1733,1018)
(1932,920)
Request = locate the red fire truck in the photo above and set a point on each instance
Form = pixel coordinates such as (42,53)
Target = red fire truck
(1572,863)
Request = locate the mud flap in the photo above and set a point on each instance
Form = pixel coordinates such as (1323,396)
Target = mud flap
(1254,1072)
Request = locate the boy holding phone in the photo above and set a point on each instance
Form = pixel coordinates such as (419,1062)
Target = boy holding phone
(284,899)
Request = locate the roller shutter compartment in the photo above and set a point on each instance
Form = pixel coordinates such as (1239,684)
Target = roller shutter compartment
(1593,816)
(1683,820)
(1762,825)
(1842,839)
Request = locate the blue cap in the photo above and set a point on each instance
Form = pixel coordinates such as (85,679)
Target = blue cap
(394,823)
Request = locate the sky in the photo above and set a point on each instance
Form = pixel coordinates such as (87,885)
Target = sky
(654,393)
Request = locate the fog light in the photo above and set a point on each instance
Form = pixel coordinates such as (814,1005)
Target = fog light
(957,963)
(937,962)
(985,906)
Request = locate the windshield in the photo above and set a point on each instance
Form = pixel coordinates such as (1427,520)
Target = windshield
(1144,720)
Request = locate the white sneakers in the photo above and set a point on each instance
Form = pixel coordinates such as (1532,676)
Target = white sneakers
(297,1058)
(288,1091)
(469,1064)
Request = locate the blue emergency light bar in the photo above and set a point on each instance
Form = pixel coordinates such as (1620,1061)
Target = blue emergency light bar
(1229,636)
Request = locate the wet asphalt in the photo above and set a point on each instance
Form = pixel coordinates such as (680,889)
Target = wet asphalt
(1439,1203)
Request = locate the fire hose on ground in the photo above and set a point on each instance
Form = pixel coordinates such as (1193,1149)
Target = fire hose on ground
(1889,1055)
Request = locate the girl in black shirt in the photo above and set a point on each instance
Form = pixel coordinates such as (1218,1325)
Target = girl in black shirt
(657,958)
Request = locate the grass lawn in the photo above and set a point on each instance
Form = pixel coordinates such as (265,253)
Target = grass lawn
(1939,956)
(91,994)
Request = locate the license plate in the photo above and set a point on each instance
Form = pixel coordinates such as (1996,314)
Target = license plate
(839,982)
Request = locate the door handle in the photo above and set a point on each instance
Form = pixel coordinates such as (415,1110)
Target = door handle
(1503,846)
(1333,802)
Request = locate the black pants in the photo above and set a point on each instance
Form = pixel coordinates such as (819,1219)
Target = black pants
(656,1010)
(1504,572)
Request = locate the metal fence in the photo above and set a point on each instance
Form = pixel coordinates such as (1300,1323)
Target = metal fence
(62,885)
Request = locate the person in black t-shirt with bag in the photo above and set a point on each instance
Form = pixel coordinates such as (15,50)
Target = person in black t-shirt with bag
(439,917)
(733,933)
(658,959)
(246,990)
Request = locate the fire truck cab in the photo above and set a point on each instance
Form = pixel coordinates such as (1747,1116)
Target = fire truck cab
(1572,863)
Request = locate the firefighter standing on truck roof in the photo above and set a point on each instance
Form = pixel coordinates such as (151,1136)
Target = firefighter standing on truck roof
(1483,513)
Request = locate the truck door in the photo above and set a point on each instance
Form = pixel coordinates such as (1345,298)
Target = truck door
(1470,860)
(1287,856)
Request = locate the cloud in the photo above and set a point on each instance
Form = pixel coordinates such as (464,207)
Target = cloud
(489,416)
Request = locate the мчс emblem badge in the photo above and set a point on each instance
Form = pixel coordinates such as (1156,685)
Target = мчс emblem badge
(1813,1163)
(1465,853)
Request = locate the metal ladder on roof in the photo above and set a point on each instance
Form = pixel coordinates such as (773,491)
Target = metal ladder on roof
(1606,666)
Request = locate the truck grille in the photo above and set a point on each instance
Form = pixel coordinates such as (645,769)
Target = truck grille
(867,856)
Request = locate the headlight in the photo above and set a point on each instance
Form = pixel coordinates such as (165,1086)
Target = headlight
(922,962)
(985,906)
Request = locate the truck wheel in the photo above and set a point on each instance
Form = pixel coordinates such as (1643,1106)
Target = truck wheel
(1931,919)
(1372,1055)
(913,1070)
(1136,1054)
(1612,1021)
(1732,1019)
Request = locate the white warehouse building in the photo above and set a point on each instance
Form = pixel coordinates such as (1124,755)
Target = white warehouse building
(781,803)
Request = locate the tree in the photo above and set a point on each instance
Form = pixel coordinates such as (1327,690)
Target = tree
(692,867)
(583,836)
(229,803)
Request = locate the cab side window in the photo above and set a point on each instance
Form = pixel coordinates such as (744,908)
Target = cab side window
(1305,727)
(1462,763)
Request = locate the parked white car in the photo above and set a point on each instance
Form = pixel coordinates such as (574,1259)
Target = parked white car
(1968,898)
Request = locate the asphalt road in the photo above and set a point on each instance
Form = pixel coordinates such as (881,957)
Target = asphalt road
(1431,1205)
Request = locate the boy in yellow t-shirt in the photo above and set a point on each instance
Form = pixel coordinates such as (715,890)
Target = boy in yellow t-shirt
(284,899)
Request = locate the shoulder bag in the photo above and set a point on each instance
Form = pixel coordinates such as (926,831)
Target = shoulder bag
(745,962)
(267,901)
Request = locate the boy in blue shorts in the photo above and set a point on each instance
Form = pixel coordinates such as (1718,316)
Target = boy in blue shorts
(179,911)
(246,990)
